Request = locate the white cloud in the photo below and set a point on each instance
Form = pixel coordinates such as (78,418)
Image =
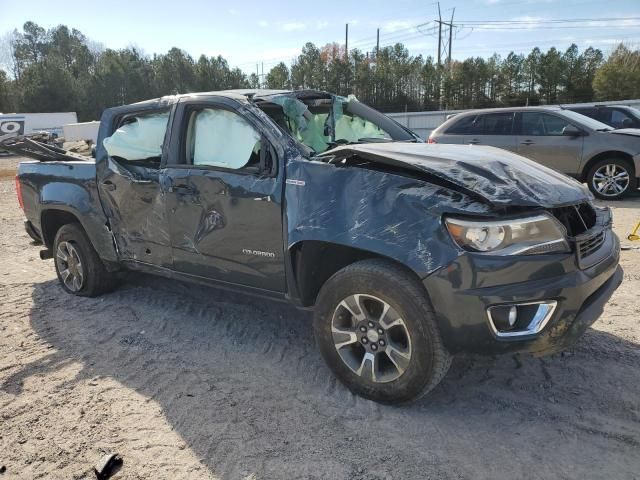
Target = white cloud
(604,41)
(263,23)
(321,24)
(499,2)
(293,26)
(232,11)
(395,25)
(272,56)
(529,19)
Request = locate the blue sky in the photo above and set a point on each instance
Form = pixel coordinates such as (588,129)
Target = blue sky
(251,32)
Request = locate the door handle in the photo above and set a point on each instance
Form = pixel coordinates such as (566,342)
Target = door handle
(109,186)
(474,141)
(527,142)
(181,189)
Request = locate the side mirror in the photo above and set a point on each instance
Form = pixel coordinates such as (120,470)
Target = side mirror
(571,131)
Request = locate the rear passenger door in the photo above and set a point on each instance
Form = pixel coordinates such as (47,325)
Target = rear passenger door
(541,139)
(492,129)
(128,176)
(223,192)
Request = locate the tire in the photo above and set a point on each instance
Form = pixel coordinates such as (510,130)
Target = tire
(420,360)
(72,243)
(610,188)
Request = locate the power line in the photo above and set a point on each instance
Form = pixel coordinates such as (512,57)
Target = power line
(390,35)
(435,28)
(543,27)
(553,20)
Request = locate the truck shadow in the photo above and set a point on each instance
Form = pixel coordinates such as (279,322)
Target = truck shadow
(240,380)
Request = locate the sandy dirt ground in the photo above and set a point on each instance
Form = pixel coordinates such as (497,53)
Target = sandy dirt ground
(193,383)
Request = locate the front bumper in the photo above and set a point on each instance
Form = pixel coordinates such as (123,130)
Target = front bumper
(462,292)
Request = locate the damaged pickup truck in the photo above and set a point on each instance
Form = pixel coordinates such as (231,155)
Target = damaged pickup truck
(408,253)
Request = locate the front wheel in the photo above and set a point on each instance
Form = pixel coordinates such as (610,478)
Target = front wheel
(376,330)
(79,269)
(611,178)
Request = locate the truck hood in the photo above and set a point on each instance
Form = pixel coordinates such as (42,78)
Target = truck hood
(497,176)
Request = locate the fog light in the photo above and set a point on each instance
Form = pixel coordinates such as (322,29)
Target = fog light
(504,317)
(520,319)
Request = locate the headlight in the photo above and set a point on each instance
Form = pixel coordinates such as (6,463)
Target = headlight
(520,236)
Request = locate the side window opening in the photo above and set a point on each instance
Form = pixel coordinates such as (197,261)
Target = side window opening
(620,119)
(542,124)
(463,126)
(221,138)
(139,138)
(494,124)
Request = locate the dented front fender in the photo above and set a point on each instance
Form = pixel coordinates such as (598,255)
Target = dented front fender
(391,215)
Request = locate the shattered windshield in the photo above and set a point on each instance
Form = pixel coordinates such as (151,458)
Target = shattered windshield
(324,121)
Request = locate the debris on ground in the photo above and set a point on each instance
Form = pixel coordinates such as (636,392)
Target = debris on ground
(107,466)
(81,146)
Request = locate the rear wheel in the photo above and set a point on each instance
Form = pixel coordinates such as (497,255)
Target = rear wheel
(79,269)
(611,178)
(376,330)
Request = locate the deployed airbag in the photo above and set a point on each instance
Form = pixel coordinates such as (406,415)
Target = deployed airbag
(139,139)
(223,139)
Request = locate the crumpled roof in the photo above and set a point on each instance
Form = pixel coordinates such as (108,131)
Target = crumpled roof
(500,177)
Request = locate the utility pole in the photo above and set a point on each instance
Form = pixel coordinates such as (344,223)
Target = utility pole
(439,34)
(451,36)
(346,54)
(346,42)
(377,44)
(444,48)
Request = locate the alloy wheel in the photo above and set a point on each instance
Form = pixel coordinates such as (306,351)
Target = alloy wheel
(610,180)
(70,266)
(371,338)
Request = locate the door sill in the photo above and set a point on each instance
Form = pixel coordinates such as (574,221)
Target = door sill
(138,266)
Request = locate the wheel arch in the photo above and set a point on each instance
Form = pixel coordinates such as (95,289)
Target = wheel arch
(52,219)
(603,155)
(315,261)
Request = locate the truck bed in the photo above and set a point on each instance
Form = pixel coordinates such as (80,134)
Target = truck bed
(51,189)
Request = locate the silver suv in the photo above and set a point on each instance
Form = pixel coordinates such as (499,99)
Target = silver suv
(607,160)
